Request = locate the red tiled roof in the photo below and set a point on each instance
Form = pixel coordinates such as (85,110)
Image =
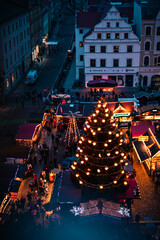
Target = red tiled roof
(140,130)
(88,19)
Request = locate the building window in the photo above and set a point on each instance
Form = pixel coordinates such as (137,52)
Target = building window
(108,35)
(17,39)
(148,31)
(14,41)
(103,62)
(13,27)
(4,32)
(5,46)
(16,25)
(81,57)
(7,82)
(20,23)
(146,61)
(155,62)
(158,30)
(6,62)
(24,34)
(10,44)
(158,46)
(116,49)
(129,48)
(27,19)
(103,49)
(11,59)
(18,53)
(115,62)
(116,35)
(108,24)
(92,62)
(21,36)
(8,29)
(99,35)
(14,56)
(129,62)
(147,46)
(81,44)
(117,24)
(81,31)
(97,77)
(92,49)
(126,35)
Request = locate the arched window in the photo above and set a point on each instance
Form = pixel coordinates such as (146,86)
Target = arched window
(147,46)
(158,46)
(158,30)
(146,61)
(145,81)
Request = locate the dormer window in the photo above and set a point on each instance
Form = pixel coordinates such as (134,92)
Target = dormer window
(117,24)
(98,35)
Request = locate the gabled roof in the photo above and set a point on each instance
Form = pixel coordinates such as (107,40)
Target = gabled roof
(88,19)
(142,150)
(148,108)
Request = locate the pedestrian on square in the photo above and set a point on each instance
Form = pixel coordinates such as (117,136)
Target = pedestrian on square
(52,136)
(137,218)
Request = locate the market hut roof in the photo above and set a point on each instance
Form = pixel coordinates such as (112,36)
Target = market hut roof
(148,108)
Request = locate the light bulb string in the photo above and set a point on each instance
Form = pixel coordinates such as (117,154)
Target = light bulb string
(93,157)
(103,166)
(99,174)
(95,149)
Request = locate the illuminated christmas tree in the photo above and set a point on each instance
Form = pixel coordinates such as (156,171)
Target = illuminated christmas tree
(72,133)
(100,151)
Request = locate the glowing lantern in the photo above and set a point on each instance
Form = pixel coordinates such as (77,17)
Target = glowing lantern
(77,175)
(116,164)
(99,129)
(95,120)
(87,173)
(125,182)
(106,145)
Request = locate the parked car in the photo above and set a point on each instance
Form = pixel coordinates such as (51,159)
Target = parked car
(31,77)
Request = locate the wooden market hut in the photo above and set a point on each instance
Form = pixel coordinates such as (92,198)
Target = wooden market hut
(150,112)
(147,149)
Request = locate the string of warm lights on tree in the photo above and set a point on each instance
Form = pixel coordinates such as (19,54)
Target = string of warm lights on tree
(100,152)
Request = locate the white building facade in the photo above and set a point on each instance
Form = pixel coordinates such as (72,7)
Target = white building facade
(15,50)
(112,51)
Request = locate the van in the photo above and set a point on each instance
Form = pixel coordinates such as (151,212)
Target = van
(31,77)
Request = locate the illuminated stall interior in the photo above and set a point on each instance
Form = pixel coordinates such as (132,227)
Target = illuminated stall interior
(147,149)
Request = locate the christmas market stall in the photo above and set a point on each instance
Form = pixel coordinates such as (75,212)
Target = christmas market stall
(27,133)
(150,112)
(140,127)
(147,149)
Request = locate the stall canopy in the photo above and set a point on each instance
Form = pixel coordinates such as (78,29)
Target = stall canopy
(68,192)
(7,173)
(102,83)
(60,96)
(26,131)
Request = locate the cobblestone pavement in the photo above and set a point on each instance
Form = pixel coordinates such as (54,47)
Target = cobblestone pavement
(149,205)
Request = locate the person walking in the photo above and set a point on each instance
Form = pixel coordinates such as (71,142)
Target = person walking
(137,218)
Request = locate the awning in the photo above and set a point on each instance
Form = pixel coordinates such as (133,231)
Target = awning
(60,96)
(102,83)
